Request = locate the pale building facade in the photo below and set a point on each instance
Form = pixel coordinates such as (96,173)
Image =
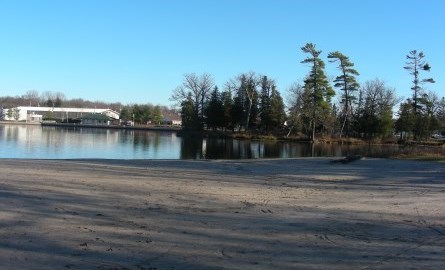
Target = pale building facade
(36,114)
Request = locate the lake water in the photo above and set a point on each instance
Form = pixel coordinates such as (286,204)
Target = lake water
(31,141)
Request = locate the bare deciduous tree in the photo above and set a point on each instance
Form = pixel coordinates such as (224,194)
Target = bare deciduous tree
(198,87)
(32,96)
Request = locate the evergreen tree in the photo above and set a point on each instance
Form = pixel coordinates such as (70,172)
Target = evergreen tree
(157,115)
(244,110)
(227,101)
(215,110)
(441,115)
(190,118)
(415,65)
(318,86)
(265,103)
(16,113)
(238,109)
(277,113)
(9,113)
(149,114)
(405,122)
(137,114)
(125,114)
(347,83)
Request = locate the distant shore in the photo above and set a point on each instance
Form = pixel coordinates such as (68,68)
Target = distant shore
(308,213)
(70,125)
(136,127)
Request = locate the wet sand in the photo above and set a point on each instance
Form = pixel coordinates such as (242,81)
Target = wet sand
(255,214)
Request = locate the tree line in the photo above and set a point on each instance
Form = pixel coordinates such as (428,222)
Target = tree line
(251,102)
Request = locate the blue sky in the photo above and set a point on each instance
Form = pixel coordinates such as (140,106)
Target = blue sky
(137,51)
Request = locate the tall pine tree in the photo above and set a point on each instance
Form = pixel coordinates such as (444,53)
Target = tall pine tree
(317,83)
(347,83)
(415,64)
(215,110)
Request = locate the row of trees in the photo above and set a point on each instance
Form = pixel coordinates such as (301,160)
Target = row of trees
(53,99)
(142,114)
(252,102)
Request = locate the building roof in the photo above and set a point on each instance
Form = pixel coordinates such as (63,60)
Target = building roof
(96,116)
(109,112)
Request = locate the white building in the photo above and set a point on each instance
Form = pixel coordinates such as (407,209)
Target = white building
(36,114)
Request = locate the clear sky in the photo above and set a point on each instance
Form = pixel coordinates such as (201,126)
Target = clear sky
(137,51)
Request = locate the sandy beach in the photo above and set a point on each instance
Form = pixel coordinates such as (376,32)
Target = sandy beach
(239,214)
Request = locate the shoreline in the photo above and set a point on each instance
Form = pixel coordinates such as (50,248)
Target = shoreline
(304,213)
(236,135)
(69,125)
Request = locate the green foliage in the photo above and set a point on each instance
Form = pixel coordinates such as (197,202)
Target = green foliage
(250,102)
(48,116)
(416,64)
(189,115)
(277,113)
(318,87)
(374,118)
(245,102)
(215,110)
(16,114)
(9,113)
(227,104)
(347,84)
(441,115)
(404,124)
(125,114)
(157,115)
(271,107)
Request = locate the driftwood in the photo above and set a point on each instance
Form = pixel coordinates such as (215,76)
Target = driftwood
(347,159)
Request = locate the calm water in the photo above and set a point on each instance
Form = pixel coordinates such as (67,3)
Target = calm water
(21,141)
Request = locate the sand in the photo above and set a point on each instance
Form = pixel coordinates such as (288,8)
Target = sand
(254,214)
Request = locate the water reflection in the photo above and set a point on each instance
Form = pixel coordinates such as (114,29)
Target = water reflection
(204,148)
(21,141)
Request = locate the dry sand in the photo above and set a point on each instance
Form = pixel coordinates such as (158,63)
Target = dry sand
(261,214)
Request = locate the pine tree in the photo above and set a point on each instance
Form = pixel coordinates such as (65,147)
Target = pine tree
(189,115)
(277,113)
(347,83)
(415,65)
(125,114)
(157,115)
(227,101)
(441,115)
(405,122)
(318,85)
(265,103)
(215,110)
(238,108)
(244,110)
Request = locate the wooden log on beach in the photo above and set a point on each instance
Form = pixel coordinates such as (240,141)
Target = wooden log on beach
(347,159)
